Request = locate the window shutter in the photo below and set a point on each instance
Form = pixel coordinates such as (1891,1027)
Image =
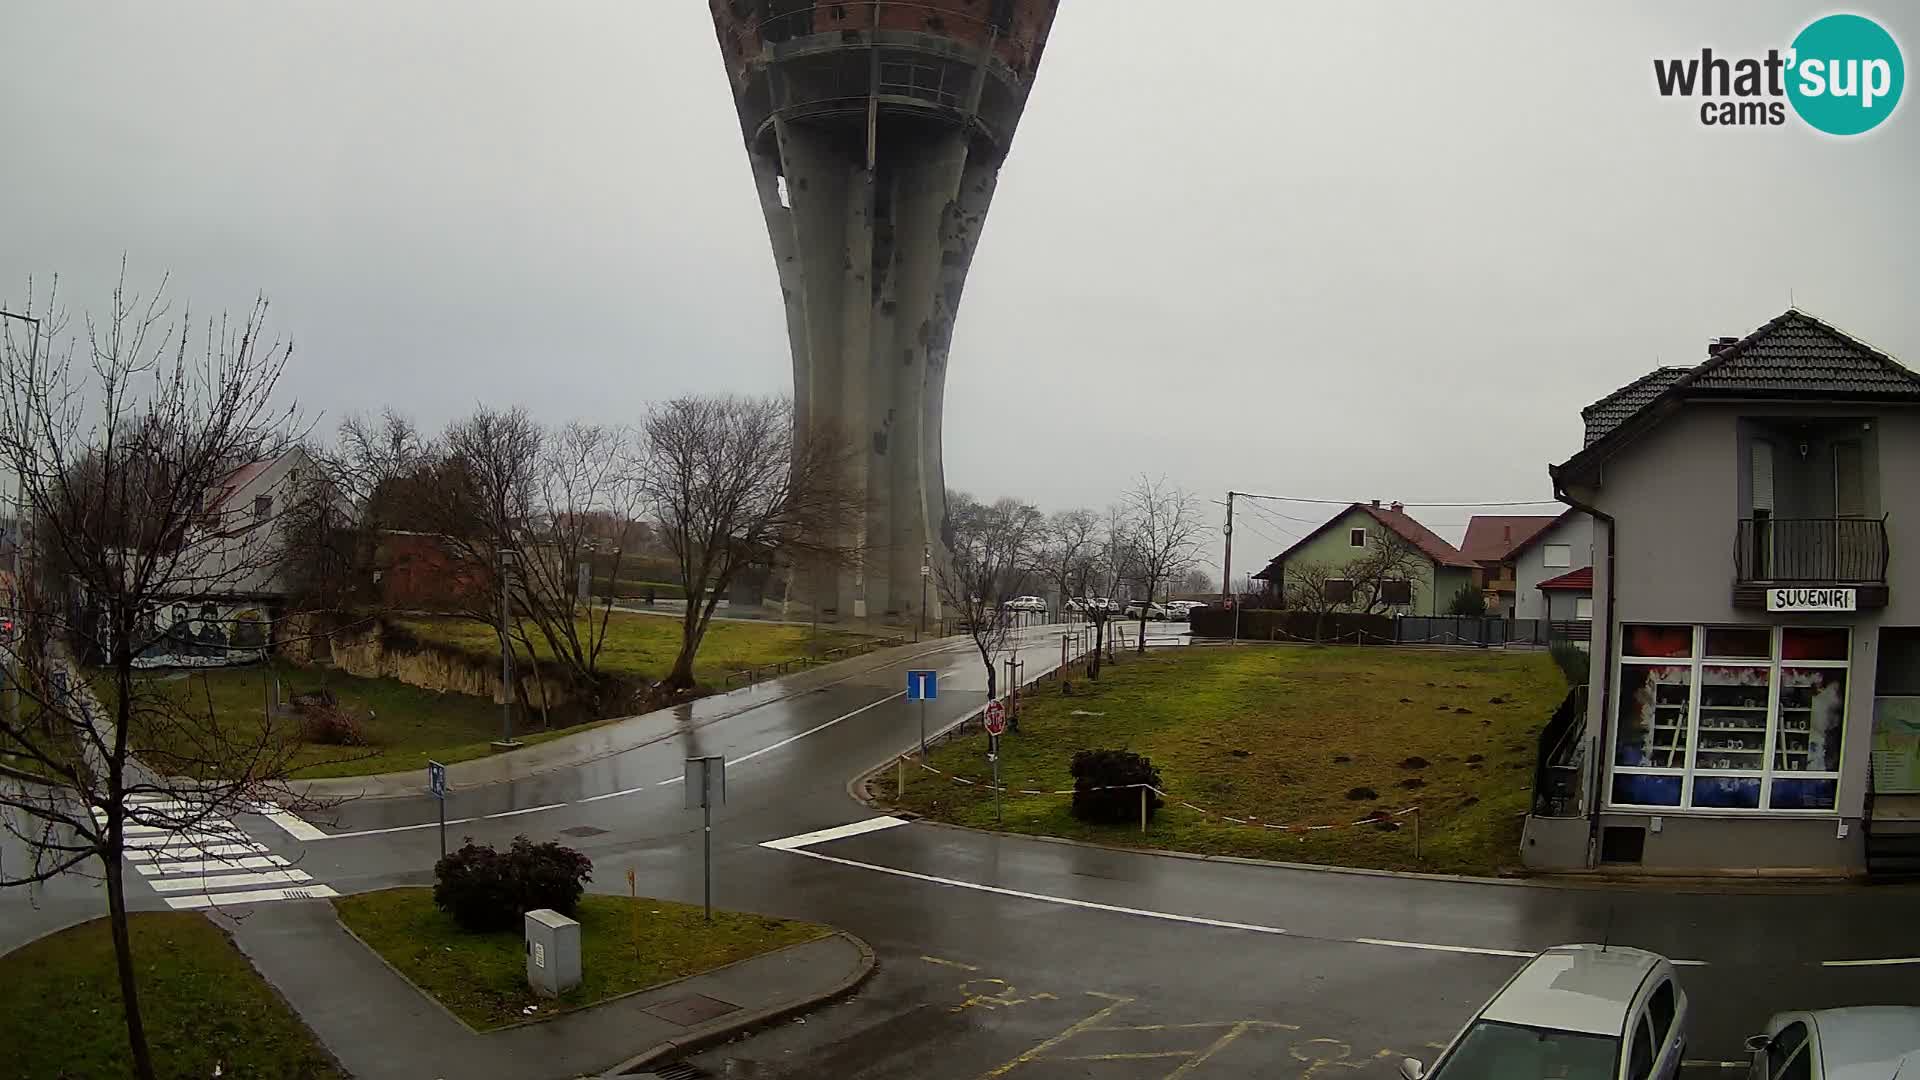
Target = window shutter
(1763,476)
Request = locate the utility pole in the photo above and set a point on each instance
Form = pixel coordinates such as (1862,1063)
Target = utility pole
(926,562)
(1226,571)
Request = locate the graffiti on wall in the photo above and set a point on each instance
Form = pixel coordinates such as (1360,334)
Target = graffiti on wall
(200,634)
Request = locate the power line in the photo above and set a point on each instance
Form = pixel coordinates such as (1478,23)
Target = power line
(1350,502)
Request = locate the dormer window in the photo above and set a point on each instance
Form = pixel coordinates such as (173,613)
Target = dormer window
(262,506)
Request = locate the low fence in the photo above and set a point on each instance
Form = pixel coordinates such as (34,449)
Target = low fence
(1341,627)
(749,676)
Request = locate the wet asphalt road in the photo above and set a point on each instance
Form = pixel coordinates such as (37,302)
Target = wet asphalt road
(1084,961)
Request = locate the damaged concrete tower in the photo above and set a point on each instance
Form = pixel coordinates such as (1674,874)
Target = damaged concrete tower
(876,129)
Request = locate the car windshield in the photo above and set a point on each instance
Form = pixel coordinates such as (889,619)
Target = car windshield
(1496,1051)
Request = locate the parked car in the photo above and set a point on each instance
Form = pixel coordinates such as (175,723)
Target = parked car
(1583,1012)
(1074,604)
(1179,610)
(1153,610)
(1869,1042)
(1025,603)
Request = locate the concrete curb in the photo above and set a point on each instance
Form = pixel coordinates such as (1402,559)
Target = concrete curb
(720,1031)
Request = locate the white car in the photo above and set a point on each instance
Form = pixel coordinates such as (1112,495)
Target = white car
(1580,1012)
(1869,1042)
(1025,603)
(1152,610)
(1178,610)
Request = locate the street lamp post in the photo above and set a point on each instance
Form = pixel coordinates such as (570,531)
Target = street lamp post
(926,571)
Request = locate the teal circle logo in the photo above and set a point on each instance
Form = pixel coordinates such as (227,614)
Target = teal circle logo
(1846,74)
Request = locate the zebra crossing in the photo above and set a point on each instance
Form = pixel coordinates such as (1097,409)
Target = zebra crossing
(215,863)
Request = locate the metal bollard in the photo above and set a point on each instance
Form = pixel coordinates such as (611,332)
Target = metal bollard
(1143,810)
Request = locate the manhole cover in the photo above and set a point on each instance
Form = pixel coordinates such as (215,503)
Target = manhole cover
(692,1009)
(582,830)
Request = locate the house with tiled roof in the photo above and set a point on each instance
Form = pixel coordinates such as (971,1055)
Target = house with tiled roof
(1373,558)
(1754,702)
(1547,570)
(1490,540)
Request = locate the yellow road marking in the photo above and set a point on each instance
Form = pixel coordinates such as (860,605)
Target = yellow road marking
(1219,1044)
(1075,1029)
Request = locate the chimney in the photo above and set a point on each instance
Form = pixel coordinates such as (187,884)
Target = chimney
(1719,343)
(1397,507)
(1506,534)
(1376,504)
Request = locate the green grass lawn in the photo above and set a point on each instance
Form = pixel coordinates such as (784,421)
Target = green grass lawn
(203,1005)
(482,978)
(405,725)
(644,646)
(1282,735)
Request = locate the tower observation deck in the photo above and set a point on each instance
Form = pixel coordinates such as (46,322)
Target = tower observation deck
(876,129)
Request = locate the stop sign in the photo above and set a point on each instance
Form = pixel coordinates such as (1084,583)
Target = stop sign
(996,718)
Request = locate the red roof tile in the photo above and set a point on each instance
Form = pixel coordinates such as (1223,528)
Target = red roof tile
(1580,580)
(1490,537)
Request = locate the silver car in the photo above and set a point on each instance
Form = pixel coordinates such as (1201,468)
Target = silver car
(1869,1042)
(1578,1012)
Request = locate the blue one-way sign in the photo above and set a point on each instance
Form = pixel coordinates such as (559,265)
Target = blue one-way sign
(922,686)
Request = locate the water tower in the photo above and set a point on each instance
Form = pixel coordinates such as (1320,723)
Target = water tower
(876,129)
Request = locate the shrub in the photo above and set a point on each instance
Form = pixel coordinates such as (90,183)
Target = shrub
(483,889)
(1100,791)
(1575,662)
(330,725)
(1468,601)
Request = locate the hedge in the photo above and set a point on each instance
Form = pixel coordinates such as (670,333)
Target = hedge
(1268,624)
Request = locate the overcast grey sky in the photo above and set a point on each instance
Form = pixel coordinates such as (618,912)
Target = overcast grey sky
(1345,250)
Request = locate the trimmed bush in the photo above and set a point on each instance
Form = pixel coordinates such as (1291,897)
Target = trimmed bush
(1575,662)
(487,890)
(330,725)
(1468,601)
(1100,791)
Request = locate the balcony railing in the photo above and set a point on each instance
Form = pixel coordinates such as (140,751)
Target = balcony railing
(1811,550)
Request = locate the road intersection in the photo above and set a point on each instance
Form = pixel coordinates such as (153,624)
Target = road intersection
(1003,955)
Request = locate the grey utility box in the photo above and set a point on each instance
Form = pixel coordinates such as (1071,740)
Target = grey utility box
(553,952)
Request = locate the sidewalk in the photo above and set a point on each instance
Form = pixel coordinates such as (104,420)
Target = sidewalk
(619,736)
(379,1026)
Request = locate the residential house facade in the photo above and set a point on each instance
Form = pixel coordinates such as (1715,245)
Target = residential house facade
(1490,539)
(1553,572)
(1755,694)
(1423,584)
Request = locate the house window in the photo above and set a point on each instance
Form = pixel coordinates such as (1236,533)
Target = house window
(1337,590)
(1356,538)
(1730,718)
(1396,592)
(1583,608)
(1557,556)
(262,506)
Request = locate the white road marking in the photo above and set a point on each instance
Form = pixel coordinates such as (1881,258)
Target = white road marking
(295,827)
(617,794)
(395,829)
(1891,961)
(299,892)
(196,852)
(796,738)
(1167,916)
(187,839)
(203,883)
(201,866)
(516,813)
(838,832)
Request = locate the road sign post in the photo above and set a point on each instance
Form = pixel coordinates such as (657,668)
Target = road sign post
(996,723)
(437,784)
(923,686)
(707,784)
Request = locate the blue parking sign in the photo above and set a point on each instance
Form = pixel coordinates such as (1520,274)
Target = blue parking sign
(437,779)
(922,685)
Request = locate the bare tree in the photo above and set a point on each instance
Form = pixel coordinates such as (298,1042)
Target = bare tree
(125,437)
(1386,574)
(1318,588)
(729,484)
(1196,580)
(990,549)
(1163,532)
(1070,552)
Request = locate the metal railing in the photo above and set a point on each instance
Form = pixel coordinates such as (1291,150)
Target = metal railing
(1811,549)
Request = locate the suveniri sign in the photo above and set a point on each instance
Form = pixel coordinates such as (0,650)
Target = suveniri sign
(1810,600)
